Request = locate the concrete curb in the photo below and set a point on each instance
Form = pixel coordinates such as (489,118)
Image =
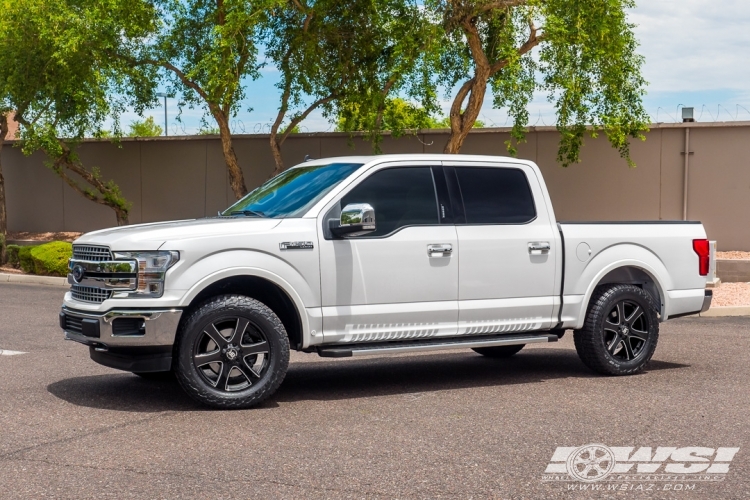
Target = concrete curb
(31,279)
(723,311)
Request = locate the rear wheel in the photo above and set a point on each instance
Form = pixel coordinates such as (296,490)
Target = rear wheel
(500,351)
(621,330)
(231,352)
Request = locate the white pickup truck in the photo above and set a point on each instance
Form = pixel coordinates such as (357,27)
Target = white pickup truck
(375,255)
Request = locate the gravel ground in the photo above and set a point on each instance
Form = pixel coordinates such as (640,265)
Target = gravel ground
(733,255)
(731,294)
(59,236)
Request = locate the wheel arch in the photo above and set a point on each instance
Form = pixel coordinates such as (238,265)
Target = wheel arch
(622,263)
(270,289)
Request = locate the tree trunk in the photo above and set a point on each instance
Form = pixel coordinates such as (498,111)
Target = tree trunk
(463,121)
(3,215)
(276,152)
(236,178)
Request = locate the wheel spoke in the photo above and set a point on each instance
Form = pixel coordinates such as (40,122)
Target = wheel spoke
(216,336)
(257,348)
(239,331)
(223,379)
(637,313)
(208,357)
(615,342)
(628,349)
(251,375)
(638,334)
(620,313)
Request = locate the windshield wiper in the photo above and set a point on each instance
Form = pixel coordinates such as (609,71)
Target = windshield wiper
(246,213)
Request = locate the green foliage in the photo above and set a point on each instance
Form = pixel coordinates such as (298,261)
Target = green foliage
(57,73)
(145,128)
(24,259)
(398,115)
(345,56)
(51,259)
(12,255)
(586,63)
(209,131)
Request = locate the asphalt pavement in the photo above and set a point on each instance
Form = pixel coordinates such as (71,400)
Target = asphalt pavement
(434,425)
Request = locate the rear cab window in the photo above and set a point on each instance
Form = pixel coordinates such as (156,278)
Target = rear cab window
(495,195)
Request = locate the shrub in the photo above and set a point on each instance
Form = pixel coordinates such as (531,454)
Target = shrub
(51,259)
(24,259)
(11,252)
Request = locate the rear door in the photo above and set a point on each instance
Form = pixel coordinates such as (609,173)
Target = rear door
(508,248)
(392,284)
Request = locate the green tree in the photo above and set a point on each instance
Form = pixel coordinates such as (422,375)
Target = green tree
(586,62)
(55,74)
(336,56)
(398,115)
(205,49)
(145,128)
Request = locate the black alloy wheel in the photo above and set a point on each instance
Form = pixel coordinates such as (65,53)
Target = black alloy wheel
(231,354)
(620,332)
(232,351)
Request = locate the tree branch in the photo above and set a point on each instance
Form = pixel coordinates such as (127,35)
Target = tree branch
(301,116)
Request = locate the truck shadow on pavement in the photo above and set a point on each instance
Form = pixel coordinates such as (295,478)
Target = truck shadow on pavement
(318,379)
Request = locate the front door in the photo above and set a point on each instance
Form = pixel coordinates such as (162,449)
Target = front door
(400,281)
(508,249)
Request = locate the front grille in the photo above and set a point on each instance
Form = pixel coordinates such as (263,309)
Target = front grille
(90,294)
(95,254)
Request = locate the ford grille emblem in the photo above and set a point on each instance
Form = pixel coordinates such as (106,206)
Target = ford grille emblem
(78,273)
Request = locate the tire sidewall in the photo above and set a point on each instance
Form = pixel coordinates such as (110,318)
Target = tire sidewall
(213,311)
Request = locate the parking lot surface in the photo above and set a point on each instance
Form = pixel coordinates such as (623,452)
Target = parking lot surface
(435,425)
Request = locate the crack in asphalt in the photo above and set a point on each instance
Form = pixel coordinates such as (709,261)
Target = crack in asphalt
(83,435)
(7,458)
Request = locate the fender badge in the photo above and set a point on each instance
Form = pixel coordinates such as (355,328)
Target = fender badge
(296,245)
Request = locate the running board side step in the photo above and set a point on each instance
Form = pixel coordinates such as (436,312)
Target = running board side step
(397,347)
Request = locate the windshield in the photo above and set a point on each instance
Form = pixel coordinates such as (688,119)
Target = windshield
(291,193)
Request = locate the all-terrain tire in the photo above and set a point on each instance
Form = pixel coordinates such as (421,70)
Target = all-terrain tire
(613,341)
(499,351)
(192,339)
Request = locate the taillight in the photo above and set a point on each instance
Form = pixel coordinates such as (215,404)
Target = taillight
(701,248)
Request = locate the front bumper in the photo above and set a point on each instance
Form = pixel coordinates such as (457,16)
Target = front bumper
(138,340)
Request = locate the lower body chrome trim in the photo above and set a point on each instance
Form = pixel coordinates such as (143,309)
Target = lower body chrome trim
(160,327)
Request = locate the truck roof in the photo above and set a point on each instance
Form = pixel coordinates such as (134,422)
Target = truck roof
(365,159)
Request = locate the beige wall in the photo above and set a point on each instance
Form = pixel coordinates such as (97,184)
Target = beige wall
(185,177)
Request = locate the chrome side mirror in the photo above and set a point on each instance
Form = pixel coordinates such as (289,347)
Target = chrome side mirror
(356,219)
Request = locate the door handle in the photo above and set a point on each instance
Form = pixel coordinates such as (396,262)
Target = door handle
(440,250)
(539,247)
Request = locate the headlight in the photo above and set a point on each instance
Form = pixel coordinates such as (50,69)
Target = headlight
(152,267)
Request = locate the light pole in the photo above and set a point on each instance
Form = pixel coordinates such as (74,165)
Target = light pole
(162,94)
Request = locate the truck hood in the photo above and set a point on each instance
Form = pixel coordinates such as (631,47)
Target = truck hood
(153,235)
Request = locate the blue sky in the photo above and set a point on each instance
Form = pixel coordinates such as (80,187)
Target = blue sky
(696,55)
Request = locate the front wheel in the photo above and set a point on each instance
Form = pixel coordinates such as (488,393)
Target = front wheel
(231,352)
(621,330)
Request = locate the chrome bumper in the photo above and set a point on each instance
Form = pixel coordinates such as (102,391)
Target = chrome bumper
(707,300)
(159,327)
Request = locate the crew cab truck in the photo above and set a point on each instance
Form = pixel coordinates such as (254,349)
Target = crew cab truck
(367,255)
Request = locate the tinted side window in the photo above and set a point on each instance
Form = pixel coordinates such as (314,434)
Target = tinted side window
(495,195)
(400,197)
